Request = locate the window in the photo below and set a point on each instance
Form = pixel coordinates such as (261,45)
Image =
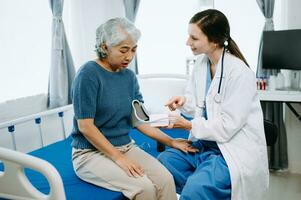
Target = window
(162,47)
(25,39)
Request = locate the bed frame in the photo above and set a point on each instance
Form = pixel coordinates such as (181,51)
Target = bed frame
(35,170)
(36,128)
(14,177)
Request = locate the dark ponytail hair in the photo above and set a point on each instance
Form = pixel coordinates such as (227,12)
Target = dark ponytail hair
(215,26)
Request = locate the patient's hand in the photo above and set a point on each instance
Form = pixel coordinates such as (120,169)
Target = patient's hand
(129,166)
(183,145)
(175,102)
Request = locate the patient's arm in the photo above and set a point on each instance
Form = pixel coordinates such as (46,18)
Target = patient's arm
(98,140)
(157,134)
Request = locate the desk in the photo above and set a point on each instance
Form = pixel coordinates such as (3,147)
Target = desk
(281,96)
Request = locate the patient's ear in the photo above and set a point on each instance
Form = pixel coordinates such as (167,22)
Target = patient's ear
(104,47)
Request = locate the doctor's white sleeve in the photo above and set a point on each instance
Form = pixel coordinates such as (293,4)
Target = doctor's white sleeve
(238,103)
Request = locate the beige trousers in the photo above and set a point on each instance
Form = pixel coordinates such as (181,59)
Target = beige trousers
(94,167)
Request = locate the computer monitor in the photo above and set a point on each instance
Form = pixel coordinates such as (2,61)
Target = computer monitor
(282,49)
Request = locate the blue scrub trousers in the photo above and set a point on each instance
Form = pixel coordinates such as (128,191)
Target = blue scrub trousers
(199,176)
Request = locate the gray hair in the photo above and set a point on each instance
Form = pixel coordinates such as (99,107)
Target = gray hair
(113,32)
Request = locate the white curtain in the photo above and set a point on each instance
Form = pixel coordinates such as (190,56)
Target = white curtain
(62,69)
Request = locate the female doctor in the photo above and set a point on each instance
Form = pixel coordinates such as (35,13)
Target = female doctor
(227,127)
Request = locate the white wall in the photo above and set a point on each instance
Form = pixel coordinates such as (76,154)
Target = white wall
(21,107)
(292,9)
(292,20)
(246,23)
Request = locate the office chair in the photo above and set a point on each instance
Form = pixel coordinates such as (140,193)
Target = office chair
(271,132)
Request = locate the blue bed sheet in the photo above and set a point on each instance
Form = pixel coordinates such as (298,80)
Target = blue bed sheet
(59,155)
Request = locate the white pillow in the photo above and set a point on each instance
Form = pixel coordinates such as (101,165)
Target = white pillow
(157,89)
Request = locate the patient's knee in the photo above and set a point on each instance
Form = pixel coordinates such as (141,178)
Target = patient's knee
(146,190)
(167,178)
(165,181)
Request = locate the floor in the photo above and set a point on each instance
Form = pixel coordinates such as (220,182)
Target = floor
(284,186)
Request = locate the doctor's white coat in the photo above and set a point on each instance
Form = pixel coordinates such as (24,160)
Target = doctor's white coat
(235,123)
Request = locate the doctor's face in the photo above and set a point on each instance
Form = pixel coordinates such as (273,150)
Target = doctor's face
(198,41)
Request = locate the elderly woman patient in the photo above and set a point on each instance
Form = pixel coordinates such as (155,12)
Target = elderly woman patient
(103,152)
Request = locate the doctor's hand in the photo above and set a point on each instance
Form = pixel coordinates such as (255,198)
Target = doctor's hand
(177,121)
(175,102)
(183,145)
(129,166)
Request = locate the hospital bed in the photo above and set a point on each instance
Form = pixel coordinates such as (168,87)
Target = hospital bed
(41,168)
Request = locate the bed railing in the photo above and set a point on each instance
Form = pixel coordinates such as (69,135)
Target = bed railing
(41,129)
(36,130)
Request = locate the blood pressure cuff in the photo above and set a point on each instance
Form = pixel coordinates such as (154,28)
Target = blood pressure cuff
(139,113)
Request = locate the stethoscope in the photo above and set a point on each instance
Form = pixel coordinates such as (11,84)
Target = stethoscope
(218,96)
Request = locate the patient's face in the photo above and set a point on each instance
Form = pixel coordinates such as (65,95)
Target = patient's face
(198,41)
(121,55)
